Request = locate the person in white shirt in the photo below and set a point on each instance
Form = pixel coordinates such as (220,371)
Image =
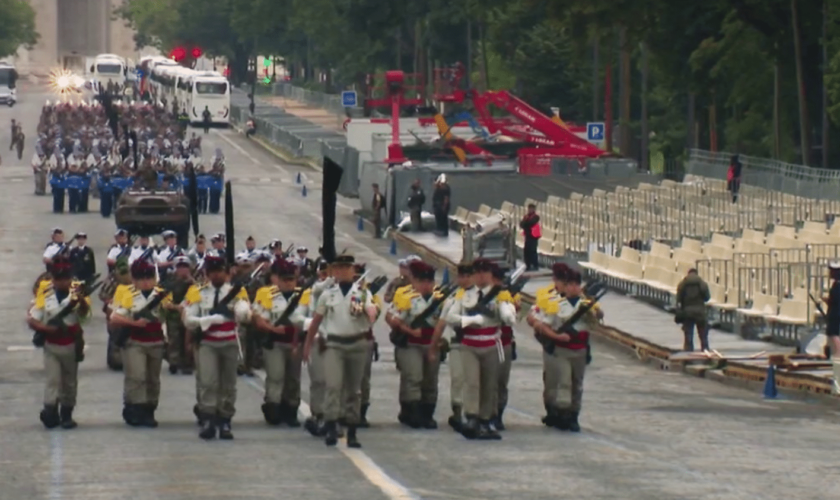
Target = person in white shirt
(55,246)
(121,242)
(143,245)
(166,256)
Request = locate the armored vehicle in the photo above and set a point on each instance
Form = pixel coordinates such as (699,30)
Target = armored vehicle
(153,211)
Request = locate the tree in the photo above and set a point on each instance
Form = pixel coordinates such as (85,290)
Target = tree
(17,26)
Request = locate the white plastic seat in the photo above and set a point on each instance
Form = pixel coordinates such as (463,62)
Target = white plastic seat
(791,312)
(763,306)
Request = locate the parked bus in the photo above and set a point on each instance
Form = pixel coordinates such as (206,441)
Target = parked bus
(8,84)
(109,68)
(208,90)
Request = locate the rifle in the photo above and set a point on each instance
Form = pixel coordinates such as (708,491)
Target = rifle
(514,284)
(400,339)
(144,313)
(377,284)
(597,290)
(294,301)
(39,338)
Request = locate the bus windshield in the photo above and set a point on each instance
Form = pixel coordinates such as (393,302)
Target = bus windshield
(8,77)
(211,88)
(109,68)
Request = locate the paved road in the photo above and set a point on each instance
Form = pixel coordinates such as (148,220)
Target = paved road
(647,434)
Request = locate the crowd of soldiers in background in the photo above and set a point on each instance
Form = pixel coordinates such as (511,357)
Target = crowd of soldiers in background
(80,154)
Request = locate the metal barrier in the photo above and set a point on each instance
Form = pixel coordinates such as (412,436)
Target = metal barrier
(774,175)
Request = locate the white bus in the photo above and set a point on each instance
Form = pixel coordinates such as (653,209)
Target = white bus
(208,90)
(157,76)
(109,68)
(8,84)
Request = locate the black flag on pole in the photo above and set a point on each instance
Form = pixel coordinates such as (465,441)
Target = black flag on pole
(230,245)
(332,179)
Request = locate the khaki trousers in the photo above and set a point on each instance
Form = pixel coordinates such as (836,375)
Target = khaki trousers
(456,376)
(481,380)
(142,362)
(504,377)
(62,374)
(344,368)
(282,375)
(564,370)
(364,392)
(317,381)
(176,351)
(418,375)
(217,363)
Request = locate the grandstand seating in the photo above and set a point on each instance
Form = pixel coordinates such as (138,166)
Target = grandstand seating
(761,256)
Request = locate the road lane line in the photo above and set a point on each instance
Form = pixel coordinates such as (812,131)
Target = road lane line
(238,147)
(56,466)
(389,486)
(20,348)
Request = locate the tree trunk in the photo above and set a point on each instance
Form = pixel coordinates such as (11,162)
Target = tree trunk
(645,166)
(468,77)
(826,125)
(713,140)
(690,140)
(777,96)
(608,105)
(804,122)
(626,82)
(482,37)
(398,46)
(596,80)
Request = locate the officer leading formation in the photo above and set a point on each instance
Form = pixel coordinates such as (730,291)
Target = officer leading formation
(193,309)
(80,154)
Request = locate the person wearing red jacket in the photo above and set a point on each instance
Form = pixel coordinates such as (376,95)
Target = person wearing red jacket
(530,225)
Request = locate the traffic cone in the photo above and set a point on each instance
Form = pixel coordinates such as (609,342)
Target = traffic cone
(298,178)
(393,250)
(361,224)
(770,390)
(303,191)
(445,279)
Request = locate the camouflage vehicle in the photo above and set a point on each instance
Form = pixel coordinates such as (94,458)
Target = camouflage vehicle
(149,209)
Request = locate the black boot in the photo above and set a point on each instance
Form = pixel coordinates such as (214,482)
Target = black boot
(292,416)
(498,423)
(470,428)
(486,433)
(331,436)
(131,414)
(312,424)
(550,419)
(455,421)
(429,416)
(66,416)
(563,421)
(147,415)
(271,412)
(363,423)
(404,415)
(415,419)
(224,429)
(199,418)
(321,429)
(208,427)
(173,368)
(50,417)
(352,440)
(574,426)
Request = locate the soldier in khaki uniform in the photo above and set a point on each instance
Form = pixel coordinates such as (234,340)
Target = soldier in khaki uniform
(372,347)
(218,348)
(481,349)
(317,384)
(419,366)
(564,356)
(280,349)
(142,342)
(179,351)
(347,312)
(547,298)
(61,363)
(456,373)
(509,348)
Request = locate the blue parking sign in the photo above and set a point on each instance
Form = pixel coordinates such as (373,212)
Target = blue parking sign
(348,99)
(595,131)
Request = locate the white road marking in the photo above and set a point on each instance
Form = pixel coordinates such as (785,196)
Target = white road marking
(389,486)
(237,147)
(20,348)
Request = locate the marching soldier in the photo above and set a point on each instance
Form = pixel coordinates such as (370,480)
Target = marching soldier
(120,247)
(509,348)
(480,315)
(179,350)
(548,298)
(60,342)
(456,373)
(401,281)
(143,244)
(139,312)
(55,246)
(347,312)
(281,355)
(418,368)
(216,308)
(364,396)
(166,256)
(564,355)
(317,383)
(832,327)
(84,262)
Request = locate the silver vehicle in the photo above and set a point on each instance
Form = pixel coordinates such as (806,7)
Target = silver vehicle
(8,84)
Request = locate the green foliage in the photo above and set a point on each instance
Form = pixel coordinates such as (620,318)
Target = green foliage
(723,53)
(17,26)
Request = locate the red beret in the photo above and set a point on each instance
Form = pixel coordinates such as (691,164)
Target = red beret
(422,271)
(282,267)
(560,270)
(483,265)
(214,263)
(142,268)
(61,267)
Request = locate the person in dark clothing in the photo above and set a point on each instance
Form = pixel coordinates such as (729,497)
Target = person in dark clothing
(832,324)
(82,258)
(692,295)
(440,205)
(416,200)
(378,206)
(530,225)
(733,177)
(208,117)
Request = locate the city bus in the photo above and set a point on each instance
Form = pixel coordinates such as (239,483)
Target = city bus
(109,68)
(210,90)
(8,84)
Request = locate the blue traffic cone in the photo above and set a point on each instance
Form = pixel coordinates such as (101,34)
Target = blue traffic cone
(770,390)
(361,224)
(445,279)
(303,191)
(393,250)
(298,178)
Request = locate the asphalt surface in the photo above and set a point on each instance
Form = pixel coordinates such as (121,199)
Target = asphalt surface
(647,434)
